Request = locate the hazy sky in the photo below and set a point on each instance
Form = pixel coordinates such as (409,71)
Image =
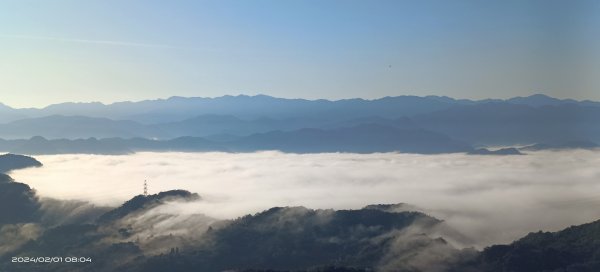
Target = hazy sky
(112,50)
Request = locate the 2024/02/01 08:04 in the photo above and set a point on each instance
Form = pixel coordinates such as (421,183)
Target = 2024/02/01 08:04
(51,259)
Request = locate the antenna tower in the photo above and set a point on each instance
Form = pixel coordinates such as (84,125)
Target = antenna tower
(145,188)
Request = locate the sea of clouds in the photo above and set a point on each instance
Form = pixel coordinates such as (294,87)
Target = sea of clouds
(491,199)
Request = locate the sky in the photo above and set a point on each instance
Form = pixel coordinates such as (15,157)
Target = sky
(114,50)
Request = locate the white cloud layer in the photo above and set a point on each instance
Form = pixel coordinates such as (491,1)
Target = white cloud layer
(493,199)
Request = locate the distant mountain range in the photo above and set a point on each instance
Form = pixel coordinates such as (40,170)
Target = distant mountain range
(248,107)
(365,138)
(176,109)
(249,123)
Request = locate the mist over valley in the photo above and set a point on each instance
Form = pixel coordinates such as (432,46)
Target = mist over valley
(255,182)
(489,198)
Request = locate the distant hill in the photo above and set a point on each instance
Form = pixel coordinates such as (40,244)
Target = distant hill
(81,127)
(561,145)
(9,162)
(18,202)
(245,122)
(138,237)
(146,202)
(76,127)
(383,135)
(8,114)
(251,107)
(110,146)
(539,100)
(176,109)
(511,124)
(501,151)
(363,138)
(573,249)
(209,125)
(296,238)
(393,208)
(40,145)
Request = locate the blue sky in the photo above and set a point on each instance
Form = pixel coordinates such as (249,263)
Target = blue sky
(113,50)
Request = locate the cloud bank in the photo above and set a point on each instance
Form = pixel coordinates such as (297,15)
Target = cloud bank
(492,199)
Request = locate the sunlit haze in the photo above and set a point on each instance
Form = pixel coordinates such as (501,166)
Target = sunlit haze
(107,51)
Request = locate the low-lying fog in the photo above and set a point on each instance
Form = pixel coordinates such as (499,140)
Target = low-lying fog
(494,199)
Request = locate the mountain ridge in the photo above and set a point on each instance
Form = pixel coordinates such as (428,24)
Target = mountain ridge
(361,138)
(516,121)
(142,110)
(536,96)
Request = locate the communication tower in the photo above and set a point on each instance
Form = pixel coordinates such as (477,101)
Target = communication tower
(145,188)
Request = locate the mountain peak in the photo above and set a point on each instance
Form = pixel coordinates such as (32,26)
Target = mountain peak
(4,107)
(538,100)
(540,96)
(9,162)
(142,202)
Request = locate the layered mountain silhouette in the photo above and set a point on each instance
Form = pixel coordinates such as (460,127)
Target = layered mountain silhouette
(248,123)
(75,127)
(509,124)
(297,238)
(573,249)
(250,107)
(364,138)
(138,237)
